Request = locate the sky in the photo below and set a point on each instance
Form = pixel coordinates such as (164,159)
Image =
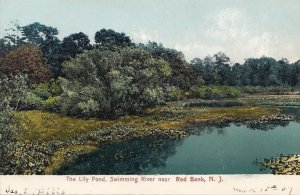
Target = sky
(239,28)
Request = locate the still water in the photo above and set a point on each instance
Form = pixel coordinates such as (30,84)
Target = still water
(229,149)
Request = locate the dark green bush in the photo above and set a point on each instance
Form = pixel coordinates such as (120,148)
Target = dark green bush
(214,92)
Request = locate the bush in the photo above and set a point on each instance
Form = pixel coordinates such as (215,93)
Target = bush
(47,89)
(42,90)
(214,92)
(31,101)
(51,104)
(174,93)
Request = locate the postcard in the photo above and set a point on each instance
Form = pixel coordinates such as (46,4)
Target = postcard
(149,97)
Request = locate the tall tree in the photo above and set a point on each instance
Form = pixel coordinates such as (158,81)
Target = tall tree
(210,76)
(45,37)
(75,44)
(182,75)
(198,67)
(14,35)
(109,38)
(235,78)
(222,68)
(37,33)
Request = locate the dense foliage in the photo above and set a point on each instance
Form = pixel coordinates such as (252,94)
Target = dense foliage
(108,83)
(182,75)
(109,78)
(12,90)
(26,59)
(264,71)
(115,76)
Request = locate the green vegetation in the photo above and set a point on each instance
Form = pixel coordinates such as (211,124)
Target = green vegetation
(107,84)
(214,92)
(12,90)
(39,126)
(273,90)
(26,59)
(271,100)
(63,97)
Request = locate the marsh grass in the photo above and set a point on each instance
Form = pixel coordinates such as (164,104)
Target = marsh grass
(42,127)
(39,126)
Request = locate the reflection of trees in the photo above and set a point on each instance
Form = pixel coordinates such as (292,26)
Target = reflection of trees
(295,111)
(267,126)
(140,155)
(202,128)
(136,156)
(207,128)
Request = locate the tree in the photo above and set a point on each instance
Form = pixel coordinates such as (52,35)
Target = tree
(198,67)
(74,44)
(14,35)
(37,33)
(107,83)
(26,59)
(235,78)
(210,76)
(110,38)
(182,75)
(222,68)
(45,37)
(295,76)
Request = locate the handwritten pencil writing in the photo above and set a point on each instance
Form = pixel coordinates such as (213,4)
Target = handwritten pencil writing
(35,191)
(268,189)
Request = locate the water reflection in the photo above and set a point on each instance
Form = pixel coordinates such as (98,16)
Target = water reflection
(136,156)
(267,126)
(143,155)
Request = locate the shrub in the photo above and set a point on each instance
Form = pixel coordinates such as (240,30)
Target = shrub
(47,89)
(174,93)
(31,101)
(214,92)
(51,104)
(42,90)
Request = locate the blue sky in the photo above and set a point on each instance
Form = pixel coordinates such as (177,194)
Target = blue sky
(240,28)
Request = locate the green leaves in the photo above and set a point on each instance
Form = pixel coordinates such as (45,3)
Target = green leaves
(12,91)
(107,83)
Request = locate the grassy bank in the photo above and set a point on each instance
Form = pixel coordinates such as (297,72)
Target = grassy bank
(65,138)
(39,126)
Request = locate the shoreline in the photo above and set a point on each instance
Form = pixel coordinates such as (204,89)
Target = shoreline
(63,139)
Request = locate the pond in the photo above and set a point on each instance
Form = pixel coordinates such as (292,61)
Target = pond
(210,149)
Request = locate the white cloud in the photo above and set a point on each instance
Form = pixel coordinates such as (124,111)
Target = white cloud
(231,31)
(228,23)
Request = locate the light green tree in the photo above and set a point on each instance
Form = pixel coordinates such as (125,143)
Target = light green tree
(106,83)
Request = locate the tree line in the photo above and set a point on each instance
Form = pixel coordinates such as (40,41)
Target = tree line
(115,76)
